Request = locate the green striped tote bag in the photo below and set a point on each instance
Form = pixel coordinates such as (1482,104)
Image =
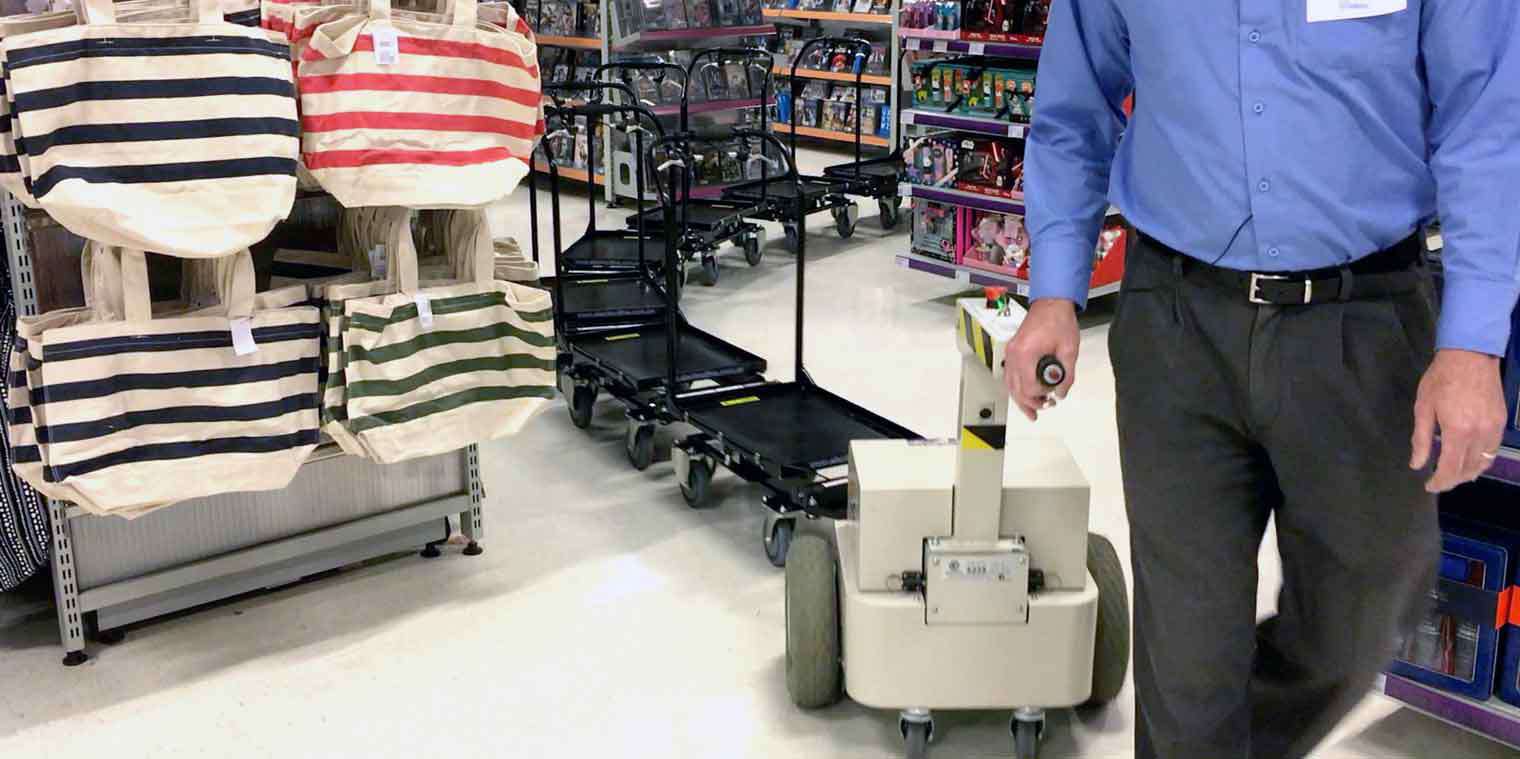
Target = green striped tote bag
(430,368)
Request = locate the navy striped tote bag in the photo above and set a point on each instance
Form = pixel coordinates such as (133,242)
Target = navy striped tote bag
(177,137)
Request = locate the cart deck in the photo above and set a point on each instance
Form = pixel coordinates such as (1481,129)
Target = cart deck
(790,425)
(702,217)
(609,250)
(814,189)
(610,298)
(640,356)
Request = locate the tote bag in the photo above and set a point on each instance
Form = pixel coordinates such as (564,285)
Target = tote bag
(120,121)
(430,369)
(443,115)
(145,410)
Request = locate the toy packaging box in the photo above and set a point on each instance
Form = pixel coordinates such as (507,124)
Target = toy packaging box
(1470,511)
(991,167)
(932,161)
(1018,21)
(1455,647)
(994,241)
(935,230)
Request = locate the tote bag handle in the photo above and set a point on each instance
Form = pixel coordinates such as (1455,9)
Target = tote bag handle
(100,12)
(234,278)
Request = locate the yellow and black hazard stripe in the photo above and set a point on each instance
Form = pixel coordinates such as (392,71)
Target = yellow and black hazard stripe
(984,437)
(974,336)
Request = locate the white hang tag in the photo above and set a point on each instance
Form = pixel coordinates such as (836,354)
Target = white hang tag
(1343,10)
(424,310)
(387,49)
(377,261)
(242,337)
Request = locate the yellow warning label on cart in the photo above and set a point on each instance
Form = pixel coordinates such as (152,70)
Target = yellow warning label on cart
(628,336)
(591,282)
(740,401)
(984,437)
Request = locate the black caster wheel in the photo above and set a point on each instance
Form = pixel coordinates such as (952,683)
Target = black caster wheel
(582,403)
(843,224)
(698,478)
(111,637)
(1026,739)
(641,447)
(709,271)
(473,549)
(891,213)
(430,551)
(791,236)
(778,540)
(916,737)
(75,658)
(752,252)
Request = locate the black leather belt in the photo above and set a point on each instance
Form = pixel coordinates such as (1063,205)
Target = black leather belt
(1388,272)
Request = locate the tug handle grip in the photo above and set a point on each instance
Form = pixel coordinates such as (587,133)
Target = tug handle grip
(1050,372)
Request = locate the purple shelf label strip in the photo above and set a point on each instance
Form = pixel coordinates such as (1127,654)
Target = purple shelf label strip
(1467,714)
(970,200)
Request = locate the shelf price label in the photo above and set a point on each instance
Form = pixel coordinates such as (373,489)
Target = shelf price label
(941,46)
(962,276)
(977,48)
(902,263)
(1017,130)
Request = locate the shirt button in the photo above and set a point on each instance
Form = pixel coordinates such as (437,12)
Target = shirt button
(1259,107)
(1254,37)
(1263,185)
(1273,252)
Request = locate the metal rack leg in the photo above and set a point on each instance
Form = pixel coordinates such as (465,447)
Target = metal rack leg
(65,588)
(470,521)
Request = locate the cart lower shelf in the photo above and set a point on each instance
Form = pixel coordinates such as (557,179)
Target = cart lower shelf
(788,423)
(641,356)
(610,298)
(613,250)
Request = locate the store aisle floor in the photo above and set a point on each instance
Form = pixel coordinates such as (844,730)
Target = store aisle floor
(606,619)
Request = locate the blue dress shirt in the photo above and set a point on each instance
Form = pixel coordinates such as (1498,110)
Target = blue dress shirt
(1263,142)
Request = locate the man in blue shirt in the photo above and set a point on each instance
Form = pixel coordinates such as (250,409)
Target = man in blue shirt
(1275,347)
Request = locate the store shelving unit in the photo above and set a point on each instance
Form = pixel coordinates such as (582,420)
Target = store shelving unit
(925,121)
(1492,719)
(834,22)
(579,175)
(671,38)
(853,18)
(339,510)
(830,134)
(581,43)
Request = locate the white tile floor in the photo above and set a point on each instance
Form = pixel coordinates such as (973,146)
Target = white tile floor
(605,618)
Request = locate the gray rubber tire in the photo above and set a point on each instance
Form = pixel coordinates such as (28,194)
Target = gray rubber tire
(890,212)
(1111,648)
(641,453)
(698,478)
(582,405)
(813,674)
(842,223)
(777,540)
(709,271)
(752,253)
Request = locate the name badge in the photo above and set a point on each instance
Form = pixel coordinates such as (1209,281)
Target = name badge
(1342,10)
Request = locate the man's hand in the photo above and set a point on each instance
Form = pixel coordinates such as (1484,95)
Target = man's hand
(1050,328)
(1461,394)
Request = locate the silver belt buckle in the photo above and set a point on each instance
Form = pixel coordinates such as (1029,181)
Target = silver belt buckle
(1254,294)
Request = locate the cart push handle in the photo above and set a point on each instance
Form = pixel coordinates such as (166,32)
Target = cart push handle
(858,66)
(625,68)
(1050,372)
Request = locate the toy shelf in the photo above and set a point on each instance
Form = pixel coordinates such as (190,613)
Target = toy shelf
(566,172)
(965,123)
(854,18)
(670,38)
(917,39)
(970,275)
(1491,719)
(1506,468)
(965,199)
(830,134)
(584,43)
(834,76)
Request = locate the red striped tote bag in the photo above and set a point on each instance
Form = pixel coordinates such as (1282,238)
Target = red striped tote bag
(121,121)
(404,111)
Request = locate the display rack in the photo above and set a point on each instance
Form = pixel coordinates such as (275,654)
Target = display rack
(109,572)
(1492,719)
(601,46)
(923,121)
(837,21)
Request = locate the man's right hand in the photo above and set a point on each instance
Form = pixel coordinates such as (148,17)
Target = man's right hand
(1049,329)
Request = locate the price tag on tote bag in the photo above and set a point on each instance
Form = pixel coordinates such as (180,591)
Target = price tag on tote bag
(387,49)
(424,310)
(242,337)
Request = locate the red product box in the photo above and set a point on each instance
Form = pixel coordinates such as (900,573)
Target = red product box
(1017,21)
(991,167)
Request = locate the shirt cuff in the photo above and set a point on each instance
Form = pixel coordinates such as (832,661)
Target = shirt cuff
(1062,269)
(1475,315)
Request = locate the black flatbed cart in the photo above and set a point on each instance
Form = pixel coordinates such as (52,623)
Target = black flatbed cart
(711,222)
(797,198)
(599,251)
(612,330)
(875,178)
(783,436)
